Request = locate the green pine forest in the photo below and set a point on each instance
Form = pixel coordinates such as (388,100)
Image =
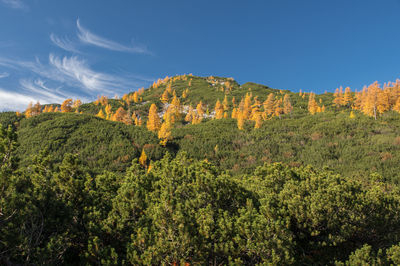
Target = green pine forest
(204,171)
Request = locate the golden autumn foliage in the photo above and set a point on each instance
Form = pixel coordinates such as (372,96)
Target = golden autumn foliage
(287,105)
(164,97)
(258,119)
(184,94)
(121,115)
(66,106)
(103,100)
(312,104)
(33,110)
(153,123)
(219,110)
(108,111)
(29,111)
(143,159)
(200,110)
(348,97)
(48,109)
(278,109)
(234,113)
(176,107)
(269,105)
(338,99)
(135,97)
(165,131)
(101,114)
(396,107)
(247,106)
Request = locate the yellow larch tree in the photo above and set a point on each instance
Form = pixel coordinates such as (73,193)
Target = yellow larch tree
(312,104)
(370,102)
(108,111)
(176,107)
(29,110)
(338,99)
(247,106)
(143,159)
(258,119)
(66,106)
(348,97)
(37,109)
(170,112)
(360,99)
(184,94)
(135,97)
(219,110)
(278,109)
(153,123)
(234,113)
(164,134)
(196,119)
(383,103)
(164,97)
(287,105)
(200,110)
(269,106)
(255,109)
(121,115)
(101,114)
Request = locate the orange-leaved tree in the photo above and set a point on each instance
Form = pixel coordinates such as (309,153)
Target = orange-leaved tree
(153,123)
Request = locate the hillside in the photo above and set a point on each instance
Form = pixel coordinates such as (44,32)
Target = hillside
(203,170)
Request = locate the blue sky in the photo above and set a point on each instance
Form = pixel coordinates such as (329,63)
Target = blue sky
(51,50)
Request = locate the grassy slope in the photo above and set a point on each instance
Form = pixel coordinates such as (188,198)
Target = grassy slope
(352,147)
(100,144)
(329,140)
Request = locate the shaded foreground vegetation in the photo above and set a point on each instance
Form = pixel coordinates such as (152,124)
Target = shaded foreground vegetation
(188,211)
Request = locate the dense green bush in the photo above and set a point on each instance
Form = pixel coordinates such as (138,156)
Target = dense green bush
(188,211)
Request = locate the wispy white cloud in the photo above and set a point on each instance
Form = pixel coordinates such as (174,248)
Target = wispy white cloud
(90,38)
(14,101)
(4,75)
(77,70)
(41,92)
(16,4)
(64,43)
(70,76)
